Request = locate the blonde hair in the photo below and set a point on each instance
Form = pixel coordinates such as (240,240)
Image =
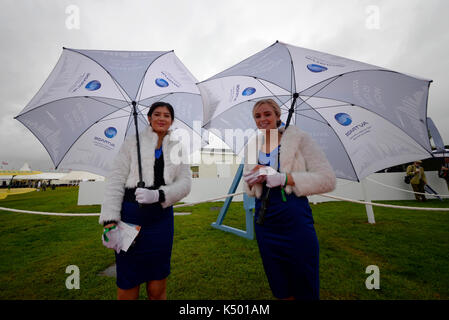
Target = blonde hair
(273,104)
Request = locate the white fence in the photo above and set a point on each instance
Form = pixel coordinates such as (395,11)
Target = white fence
(379,186)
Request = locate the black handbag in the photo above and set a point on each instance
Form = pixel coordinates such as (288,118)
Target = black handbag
(407,179)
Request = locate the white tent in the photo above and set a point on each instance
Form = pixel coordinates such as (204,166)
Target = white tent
(81,176)
(42,176)
(25,167)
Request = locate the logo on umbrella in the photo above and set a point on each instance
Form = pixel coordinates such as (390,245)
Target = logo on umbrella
(343,118)
(316,67)
(248,91)
(161,83)
(110,132)
(93,85)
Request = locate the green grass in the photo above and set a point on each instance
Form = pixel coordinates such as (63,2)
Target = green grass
(409,247)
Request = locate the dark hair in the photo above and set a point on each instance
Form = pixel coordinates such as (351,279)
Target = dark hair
(162,104)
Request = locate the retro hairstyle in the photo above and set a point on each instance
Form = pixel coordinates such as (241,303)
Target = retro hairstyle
(273,104)
(162,104)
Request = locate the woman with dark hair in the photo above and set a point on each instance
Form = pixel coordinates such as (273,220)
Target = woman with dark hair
(151,208)
(293,167)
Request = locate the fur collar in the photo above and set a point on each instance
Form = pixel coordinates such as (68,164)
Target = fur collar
(290,143)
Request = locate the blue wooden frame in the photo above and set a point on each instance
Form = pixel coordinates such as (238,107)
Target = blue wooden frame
(248,205)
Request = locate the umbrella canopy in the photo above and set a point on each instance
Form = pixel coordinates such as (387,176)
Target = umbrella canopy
(365,118)
(84,110)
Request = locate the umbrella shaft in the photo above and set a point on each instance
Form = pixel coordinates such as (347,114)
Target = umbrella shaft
(140,184)
(291,110)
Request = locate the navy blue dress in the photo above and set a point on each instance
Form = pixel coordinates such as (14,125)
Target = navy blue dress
(149,256)
(288,246)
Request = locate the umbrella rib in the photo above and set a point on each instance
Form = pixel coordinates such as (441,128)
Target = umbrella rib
(130,122)
(127,127)
(317,120)
(313,95)
(102,120)
(118,108)
(166,95)
(141,86)
(305,101)
(270,90)
(325,107)
(292,74)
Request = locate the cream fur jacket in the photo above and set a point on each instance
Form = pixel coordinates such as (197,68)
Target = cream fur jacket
(301,157)
(125,172)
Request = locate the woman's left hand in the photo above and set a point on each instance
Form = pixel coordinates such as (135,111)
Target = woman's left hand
(146,196)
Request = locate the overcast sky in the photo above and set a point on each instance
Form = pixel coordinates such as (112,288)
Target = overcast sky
(408,36)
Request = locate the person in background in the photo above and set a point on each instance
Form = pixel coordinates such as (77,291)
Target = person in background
(418,180)
(444,171)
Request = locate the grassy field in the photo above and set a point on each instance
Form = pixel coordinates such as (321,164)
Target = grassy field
(409,247)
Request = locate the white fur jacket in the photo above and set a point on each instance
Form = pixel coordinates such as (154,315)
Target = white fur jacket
(301,157)
(125,172)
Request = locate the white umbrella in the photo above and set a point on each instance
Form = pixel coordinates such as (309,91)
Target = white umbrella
(365,118)
(93,99)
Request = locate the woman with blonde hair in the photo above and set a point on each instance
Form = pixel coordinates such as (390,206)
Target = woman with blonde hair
(291,165)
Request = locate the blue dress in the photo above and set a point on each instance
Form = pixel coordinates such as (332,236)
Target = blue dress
(288,244)
(149,256)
